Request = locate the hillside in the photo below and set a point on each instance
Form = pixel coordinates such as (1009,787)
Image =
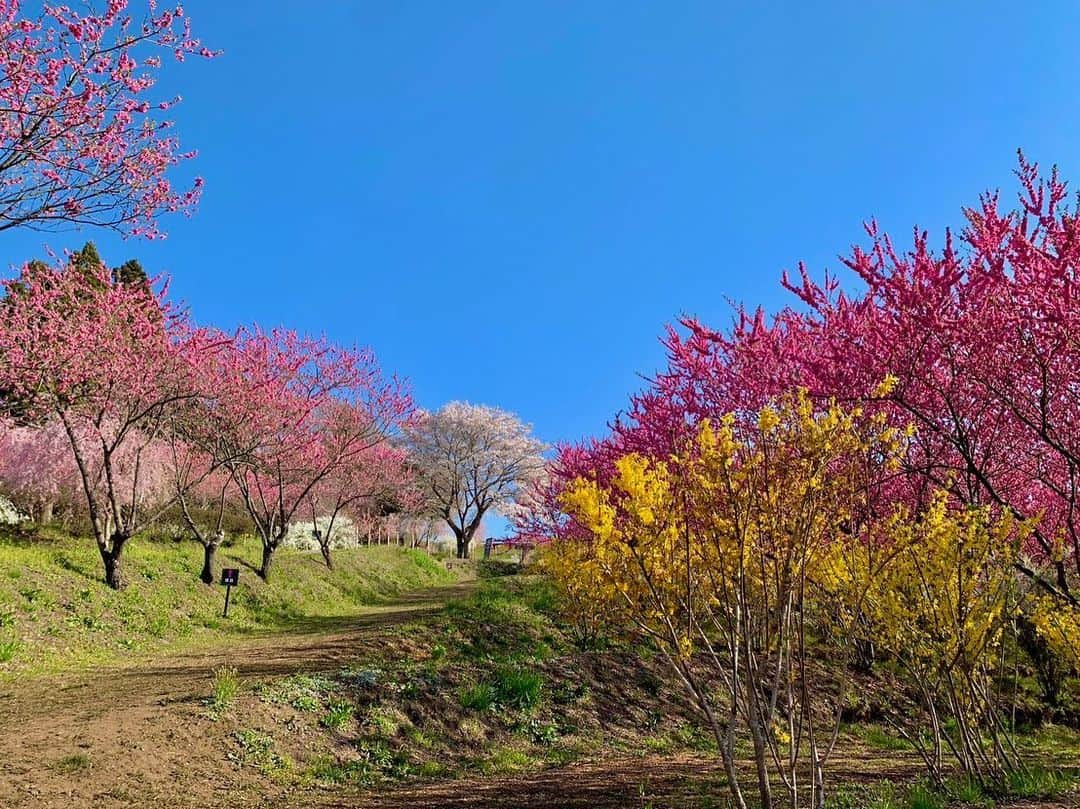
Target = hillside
(465,692)
(57,614)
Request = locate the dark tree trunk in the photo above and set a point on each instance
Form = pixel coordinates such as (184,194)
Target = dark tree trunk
(209,549)
(46,513)
(462,547)
(111,557)
(267,559)
(324,547)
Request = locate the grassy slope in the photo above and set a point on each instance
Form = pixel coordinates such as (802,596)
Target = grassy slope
(56,613)
(494,686)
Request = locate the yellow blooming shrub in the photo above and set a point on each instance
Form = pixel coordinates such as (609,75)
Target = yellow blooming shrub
(936,592)
(936,589)
(586,597)
(1058,624)
(715,553)
(762,537)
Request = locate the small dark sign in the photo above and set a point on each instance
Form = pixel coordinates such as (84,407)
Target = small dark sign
(230,576)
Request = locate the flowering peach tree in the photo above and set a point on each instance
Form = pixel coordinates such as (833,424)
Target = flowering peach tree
(82,137)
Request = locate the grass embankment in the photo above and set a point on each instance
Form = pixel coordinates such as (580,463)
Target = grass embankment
(57,614)
(491,685)
(494,686)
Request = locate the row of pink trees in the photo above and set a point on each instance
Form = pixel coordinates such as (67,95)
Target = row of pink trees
(155,410)
(106,387)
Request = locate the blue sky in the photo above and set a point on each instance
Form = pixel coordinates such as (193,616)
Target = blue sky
(508,200)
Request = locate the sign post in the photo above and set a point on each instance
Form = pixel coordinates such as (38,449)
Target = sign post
(229,577)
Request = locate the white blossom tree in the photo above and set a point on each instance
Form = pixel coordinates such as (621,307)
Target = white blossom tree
(471,460)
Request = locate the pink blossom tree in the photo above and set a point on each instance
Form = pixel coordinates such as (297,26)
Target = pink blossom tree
(979,339)
(362,482)
(79,141)
(304,409)
(974,345)
(109,362)
(37,472)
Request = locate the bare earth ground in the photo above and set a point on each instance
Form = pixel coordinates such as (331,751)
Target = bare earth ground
(143,726)
(141,735)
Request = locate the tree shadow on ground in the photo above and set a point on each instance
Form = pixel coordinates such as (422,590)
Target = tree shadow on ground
(655,782)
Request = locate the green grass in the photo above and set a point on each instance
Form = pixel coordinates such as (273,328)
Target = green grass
(69,765)
(375,762)
(507,760)
(879,738)
(922,796)
(1057,741)
(254,749)
(338,714)
(967,791)
(57,614)
(304,692)
(479,697)
(506,620)
(882,795)
(513,687)
(226,685)
(1040,782)
(518,688)
(382,722)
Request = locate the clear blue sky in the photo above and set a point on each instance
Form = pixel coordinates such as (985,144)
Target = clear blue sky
(508,200)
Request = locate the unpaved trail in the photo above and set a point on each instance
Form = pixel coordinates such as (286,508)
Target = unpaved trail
(656,782)
(136,735)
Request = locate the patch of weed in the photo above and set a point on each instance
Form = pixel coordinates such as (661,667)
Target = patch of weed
(478,697)
(922,796)
(226,685)
(881,739)
(257,750)
(1040,782)
(519,687)
(382,721)
(338,714)
(76,762)
(507,760)
(304,692)
(967,791)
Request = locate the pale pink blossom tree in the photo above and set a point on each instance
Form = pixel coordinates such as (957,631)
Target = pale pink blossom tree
(472,459)
(37,472)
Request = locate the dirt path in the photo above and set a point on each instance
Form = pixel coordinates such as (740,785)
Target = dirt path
(134,735)
(656,782)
